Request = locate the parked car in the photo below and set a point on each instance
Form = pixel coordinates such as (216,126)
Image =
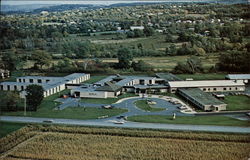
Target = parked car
(48,121)
(107,106)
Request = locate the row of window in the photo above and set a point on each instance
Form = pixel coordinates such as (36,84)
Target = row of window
(32,80)
(215,89)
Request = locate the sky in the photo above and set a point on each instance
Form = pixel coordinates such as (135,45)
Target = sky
(104,2)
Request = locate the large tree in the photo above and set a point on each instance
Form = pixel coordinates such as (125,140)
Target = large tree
(125,57)
(41,58)
(34,96)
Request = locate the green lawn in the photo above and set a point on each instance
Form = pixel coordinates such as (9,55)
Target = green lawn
(8,127)
(237,103)
(46,109)
(94,79)
(197,120)
(106,100)
(82,113)
(207,76)
(142,104)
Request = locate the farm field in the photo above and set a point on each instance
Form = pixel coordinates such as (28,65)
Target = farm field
(195,120)
(168,63)
(58,142)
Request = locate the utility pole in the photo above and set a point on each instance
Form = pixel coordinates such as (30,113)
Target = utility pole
(24,105)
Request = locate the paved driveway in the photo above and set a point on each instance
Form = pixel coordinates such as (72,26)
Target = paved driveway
(128,104)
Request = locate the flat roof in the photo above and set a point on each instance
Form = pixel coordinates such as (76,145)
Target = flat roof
(208,83)
(200,96)
(238,76)
(168,76)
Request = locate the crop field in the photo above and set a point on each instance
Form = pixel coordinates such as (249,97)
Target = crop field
(59,142)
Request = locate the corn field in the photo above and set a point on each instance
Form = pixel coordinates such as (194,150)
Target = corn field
(74,143)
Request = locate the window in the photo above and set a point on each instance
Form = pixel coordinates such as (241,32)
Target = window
(204,89)
(236,88)
(15,87)
(39,81)
(47,80)
(230,88)
(1,87)
(23,80)
(215,89)
(22,88)
(224,89)
(31,80)
(20,80)
(8,87)
(208,89)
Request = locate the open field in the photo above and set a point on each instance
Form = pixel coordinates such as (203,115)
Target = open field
(196,120)
(58,142)
(167,63)
(106,100)
(142,104)
(8,127)
(237,103)
(207,76)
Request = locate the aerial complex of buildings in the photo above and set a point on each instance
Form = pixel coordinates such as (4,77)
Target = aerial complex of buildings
(196,92)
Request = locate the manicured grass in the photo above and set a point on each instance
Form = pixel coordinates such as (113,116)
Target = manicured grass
(207,76)
(94,79)
(8,127)
(235,103)
(83,113)
(106,100)
(46,109)
(196,120)
(142,104)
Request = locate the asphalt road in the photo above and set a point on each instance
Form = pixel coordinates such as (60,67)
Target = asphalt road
(110,123)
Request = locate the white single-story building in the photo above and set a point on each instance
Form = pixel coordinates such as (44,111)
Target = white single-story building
(208,85)
(51,85)
(203,100)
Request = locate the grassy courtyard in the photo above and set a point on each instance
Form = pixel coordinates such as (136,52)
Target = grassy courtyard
(106,100)
(235,103)
(143,104)
(196,120)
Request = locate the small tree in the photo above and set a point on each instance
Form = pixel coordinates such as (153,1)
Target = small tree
(34,96)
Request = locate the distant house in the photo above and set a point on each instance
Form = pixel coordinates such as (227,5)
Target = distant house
(4,73)
(136,27)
